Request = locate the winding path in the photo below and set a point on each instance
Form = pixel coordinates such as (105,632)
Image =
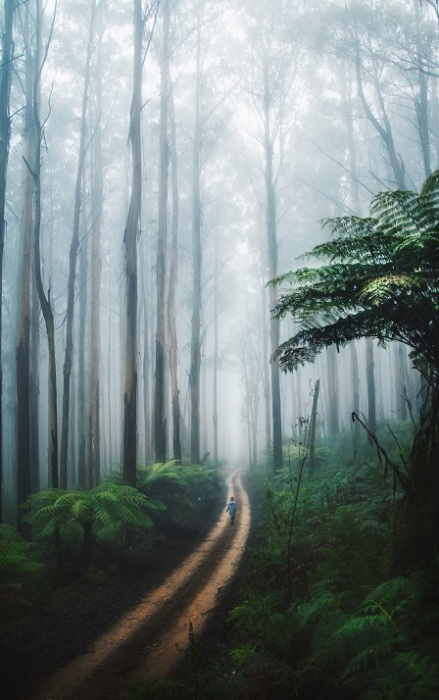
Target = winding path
(149,641)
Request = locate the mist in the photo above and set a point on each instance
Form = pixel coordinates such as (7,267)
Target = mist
(172,159)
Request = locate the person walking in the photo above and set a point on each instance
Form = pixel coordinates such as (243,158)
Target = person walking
(231,509)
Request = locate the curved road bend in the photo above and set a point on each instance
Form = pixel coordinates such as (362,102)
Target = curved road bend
(148,642)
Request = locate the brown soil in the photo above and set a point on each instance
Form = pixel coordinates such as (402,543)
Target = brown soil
(100,641)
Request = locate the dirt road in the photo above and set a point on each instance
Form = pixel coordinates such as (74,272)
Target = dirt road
(149,641)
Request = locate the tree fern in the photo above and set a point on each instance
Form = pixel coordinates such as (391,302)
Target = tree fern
(381,280)
(103,508)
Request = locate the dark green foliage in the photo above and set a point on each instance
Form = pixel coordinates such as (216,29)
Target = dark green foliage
(381,280)
(19,572)
(106,513)
(180,487)
(351,629)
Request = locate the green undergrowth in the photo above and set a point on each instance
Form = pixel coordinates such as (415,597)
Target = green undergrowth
(88,534)
(326,608)
(326,613)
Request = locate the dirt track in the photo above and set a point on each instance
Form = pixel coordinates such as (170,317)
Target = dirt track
(149,641)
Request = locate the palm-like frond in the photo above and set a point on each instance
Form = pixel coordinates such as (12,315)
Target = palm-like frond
(381,280)
(175,485)
(104,507)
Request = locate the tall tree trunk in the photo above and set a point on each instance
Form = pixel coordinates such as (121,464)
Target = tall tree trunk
(271,224)
(421,102)
(333,410)
(73,255)
(194,375)
(401,372)
(82,476)
(97,192)
(265,370)
(215,359)
(49,321)
(370,380)
(355,395)
(130,246)
(355,193)
(34,386)
(312,429)
(146,367)
(23,348)
(5,134)
(173,274)
(160,394)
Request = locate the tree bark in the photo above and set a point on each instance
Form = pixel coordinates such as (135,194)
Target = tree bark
(333,392)
(194,374)
(355,395)
(130,247)
(160,350)
(173,274)
(5,134)
(370,379)
(23,334)
(97,192)
(73,255)
(312,434)
(421,102)
(81,475)
(271,224)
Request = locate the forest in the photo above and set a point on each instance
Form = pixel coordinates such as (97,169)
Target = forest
(219,251)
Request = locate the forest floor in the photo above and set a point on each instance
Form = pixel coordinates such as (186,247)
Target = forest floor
(107,638)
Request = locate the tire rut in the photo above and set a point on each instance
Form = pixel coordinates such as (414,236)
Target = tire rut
(151,639)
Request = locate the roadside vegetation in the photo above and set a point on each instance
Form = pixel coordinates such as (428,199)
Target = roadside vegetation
(340,596)
(336,599)
(75,534)
(339,601)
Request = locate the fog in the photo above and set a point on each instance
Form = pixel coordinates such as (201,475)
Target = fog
(258,119)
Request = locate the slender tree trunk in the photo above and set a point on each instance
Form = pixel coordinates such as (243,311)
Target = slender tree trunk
(160,394)
(370,379)
(34,391)
(400,360)
(49,321)
(348,112)
(82,476)
(299,401)
(97,192)
(130,246)
(215,359)
(5,134)
(266,379)
(173,273)
(73,255)
(23,335)
(422,101)
(355,395)
(194,375)
(146,367)
(312,435)
(271,223)
(333,392)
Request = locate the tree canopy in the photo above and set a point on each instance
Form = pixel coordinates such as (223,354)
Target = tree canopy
(379,279)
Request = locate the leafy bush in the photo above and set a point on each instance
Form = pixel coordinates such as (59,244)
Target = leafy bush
(322,614)
(106,514)
(180,487)
(19,572)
